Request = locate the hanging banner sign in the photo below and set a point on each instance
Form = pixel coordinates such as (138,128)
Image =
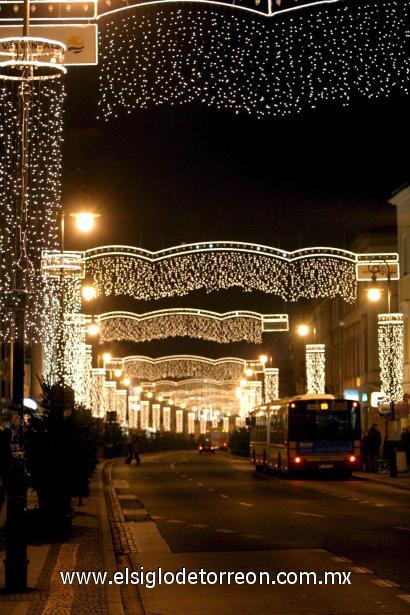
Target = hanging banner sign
(81,41)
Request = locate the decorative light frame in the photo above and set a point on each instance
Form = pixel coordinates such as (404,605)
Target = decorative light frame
(390,335)
(179,366)
(223,328)
(315,369)
(134,272)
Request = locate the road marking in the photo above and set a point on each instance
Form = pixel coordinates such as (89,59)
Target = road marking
(172,466)
(305,514)
(252,536)
(361,570)
(210,489)
(225,497)
(245,504)
(405,597)
(155,517)
(380,505)
(174,520)
(200,484)
(198,525)
(405,529)
(183,475)
(382,583)
(336,558)
(223,531)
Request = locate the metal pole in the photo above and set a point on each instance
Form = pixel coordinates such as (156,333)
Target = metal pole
(16,540)
(61,349)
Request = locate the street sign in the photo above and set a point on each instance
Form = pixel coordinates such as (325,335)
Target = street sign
(385,409)
(81,41)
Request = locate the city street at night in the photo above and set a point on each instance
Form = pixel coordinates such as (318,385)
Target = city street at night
(204,307)
(215,512)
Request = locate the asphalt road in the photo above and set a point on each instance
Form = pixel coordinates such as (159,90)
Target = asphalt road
(214,510)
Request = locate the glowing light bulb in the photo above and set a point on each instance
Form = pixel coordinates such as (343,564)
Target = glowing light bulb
(303,330)
(85,221)
(88,292)
(93,328)
(374,294)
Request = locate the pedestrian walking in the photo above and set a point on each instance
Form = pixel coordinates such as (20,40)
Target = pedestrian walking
(134,450)
(373,444)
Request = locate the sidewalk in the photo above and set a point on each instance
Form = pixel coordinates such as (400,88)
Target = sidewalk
(90,548)
(402,481)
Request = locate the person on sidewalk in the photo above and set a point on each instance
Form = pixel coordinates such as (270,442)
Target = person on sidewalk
(134,449)
(374,441)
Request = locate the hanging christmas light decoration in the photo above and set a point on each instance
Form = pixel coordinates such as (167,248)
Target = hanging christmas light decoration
(219,265)
(202,324)
(180,366)
(97,393)
(244,63)
(391,355)
(315,369)
(45,123)
(271,375)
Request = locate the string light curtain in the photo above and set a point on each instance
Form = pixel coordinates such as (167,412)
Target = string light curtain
(315,369)
(44,192)
(151,276)
(247,64)
(200,324)
(391,355)
(271,375)
(180,366)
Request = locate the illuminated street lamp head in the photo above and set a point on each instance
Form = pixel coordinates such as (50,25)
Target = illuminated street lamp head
(118,373)
(93,328)
(126,381)
(243,382)
(248,372)
(303,330)
(263,358)
(85,221)
(374,294)
(107,357)
(88,292)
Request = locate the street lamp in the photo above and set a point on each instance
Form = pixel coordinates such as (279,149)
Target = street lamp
(88,292)
(303,330)
(85,221)
(93,328)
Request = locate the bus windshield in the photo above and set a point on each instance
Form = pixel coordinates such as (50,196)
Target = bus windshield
(324,425)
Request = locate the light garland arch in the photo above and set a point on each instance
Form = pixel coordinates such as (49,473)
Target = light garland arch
(173,57)
(211,266)
(179,366)
(223,328)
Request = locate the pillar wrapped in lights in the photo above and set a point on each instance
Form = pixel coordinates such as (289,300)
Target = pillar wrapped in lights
(97,393)
(144,414)
(121,406)
(156,417)
(391,355)
(226,424)
(271,375)
(315,369)
(179,415)
(110,387)
(203,424)
(166,417)
(133,411)
(191,423)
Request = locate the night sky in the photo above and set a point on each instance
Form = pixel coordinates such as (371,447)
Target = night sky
(184,174)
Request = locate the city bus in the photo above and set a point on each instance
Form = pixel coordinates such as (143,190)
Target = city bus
(307,432)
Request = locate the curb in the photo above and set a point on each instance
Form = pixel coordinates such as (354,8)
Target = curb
(381,482)
(112,592)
